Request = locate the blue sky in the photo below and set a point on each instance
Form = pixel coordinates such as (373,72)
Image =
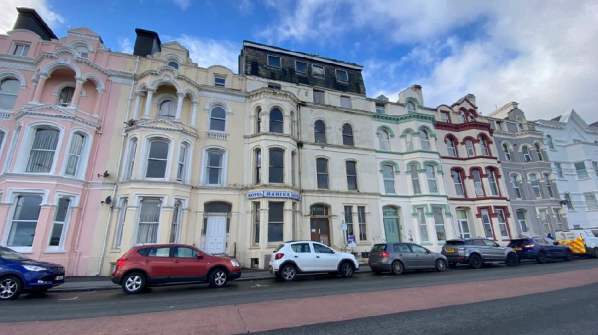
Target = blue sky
(540,53)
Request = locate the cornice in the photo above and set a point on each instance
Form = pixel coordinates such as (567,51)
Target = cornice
(524,133)
(16,63)
(266,92)
(165,126)
(338,109)
(64,114)
(464,126)
(222,95)
(404,118)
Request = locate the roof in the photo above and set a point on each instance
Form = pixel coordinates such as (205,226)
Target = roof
(595,124)
(302,54)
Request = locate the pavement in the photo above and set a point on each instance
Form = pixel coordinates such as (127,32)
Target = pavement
(100,283)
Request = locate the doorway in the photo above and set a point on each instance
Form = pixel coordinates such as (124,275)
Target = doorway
(216,235)
(320,224)
(392,227)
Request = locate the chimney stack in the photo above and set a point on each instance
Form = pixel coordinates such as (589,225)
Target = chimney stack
(147,43)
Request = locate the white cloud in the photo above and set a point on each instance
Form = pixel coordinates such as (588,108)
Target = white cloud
(125,45)
(541,54)
(207,52)
(183,4)
(8,14)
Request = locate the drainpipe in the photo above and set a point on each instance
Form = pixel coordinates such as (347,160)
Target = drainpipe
(120,151)
(299,160)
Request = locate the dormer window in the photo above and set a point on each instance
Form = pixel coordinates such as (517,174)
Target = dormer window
(471,117)
(20,49)
(342,76)
(219,81)
(300,67)
(444,116)
(82,50)
(66,96)
(317,70)
(173,64)
(380,109)
(274,61)
(410,107)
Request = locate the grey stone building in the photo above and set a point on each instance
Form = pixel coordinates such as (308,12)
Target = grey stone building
(531,184)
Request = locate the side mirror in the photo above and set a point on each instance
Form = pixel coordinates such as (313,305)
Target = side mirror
(332,251)
(428,251)
(496,244)
(555,243)
(199,256)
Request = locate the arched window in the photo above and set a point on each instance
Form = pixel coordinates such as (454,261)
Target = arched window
(470,148)
(131,159)
(526,155)
(258,165)
(173,64)
(539,151)
(348,135)
(462,116)
(167,110)
(415,179)
(157,159)
(388,176)
(218,119)
(74,156)
(493,182)
(181,172)
(535,185)
(458,181)
(522,221)
(9,90)
(484,146)
(424,139)
(410,107)
(431,176)
(41,156)
(322,172)
(82,50)
(471,117)
(276,169)
(276,121)
(450,147)
(384,139)
(66,96)
(515,184)
(548,141)
(320,131)
(409,141)
(214,167)
(477,181)
(507,150)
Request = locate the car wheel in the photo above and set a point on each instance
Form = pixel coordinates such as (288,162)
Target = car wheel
(475,261)
(134,283)
(396,268)
(595,252)
(440,265)
(347,270)
(568,256)
(218,278)
(541,259)
(512,259)
(288,272)
(10,288)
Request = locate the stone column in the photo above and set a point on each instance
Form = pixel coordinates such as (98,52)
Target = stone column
(148,103)
(179,106)
(77,93)
(138,96)
(287,231)
(40,87)
(96,109)
(194,114)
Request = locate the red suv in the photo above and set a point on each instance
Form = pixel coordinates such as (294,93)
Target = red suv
(157,264)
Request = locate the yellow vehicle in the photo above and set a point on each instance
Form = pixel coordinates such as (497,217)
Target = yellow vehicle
(581,241)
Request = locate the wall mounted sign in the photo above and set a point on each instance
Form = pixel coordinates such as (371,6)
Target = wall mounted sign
(273,194)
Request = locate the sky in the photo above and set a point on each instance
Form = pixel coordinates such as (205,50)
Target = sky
(542,54)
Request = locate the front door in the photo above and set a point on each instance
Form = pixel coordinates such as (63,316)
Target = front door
(320,231)
(216,235)
(391,228)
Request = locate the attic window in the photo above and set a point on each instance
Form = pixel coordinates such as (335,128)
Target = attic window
(317,70)
(274,61)
(82,51)
(20,49)
(380,109)
(300,67)
(173,64)
(342,76)
(274,86)
(219,81)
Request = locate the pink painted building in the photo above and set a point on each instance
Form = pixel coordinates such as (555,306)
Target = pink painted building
(59,101)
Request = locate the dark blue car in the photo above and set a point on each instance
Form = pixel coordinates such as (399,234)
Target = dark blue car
(19,273)
(540,249)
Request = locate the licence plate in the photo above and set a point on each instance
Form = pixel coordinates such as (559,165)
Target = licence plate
(374,263)
(450,250)
(59,277)
(517,249)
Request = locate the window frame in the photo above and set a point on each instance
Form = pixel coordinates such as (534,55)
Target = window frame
(441,224)
(222,168)
(271,222)
(422,225)
(31,136)
(431,178)
(211,117)
(276,123)
(321,97)
(13,211)
(120,223)
(548,184)
(257,156)
(424,139)
(485,149)
(515,185)
(166,160)
(559,170)
(24,45)
(170,113)
(460,176)
(13,95)
(256,223)
(581,172)
(452,148)
(276,167)
(346,102)
(176,221)
(479,184)
(533,179)
(493,182)
(156,224)
(182,162)
(539,152)
(322,176)
(306,66)
(590,199)
(485,213)
(415,182)
(469,146)
(81,163)
(351,177)
(217,78)
(361,221)
(268,63)
(131,155)
(522,221)
(348,136)
(321,139)
(527,157)
(336,73)
(66,99)
(65,224)
(388,179)
(501,215)
(315,72)
(384,140)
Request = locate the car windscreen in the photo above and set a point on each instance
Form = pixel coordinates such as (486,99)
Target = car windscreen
(12,255)
(378,248)
(517,243)
(454,242)
(595,232)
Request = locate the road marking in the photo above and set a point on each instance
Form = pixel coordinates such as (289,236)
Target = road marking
(75,298)
(258,285)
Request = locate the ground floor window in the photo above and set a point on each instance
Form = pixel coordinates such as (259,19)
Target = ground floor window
(362,225)
(256,223)
(24,221)
(349,221)
(487,223)
(522,221)
(149,221)
(558,218)
(439,222)
(423,227)
(175,226)
(502,223)
(60,220)
(275,221)
(463,222)
(544,221)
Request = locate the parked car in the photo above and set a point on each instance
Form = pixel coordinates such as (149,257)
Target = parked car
(294,257)
(397,257)
(158,264)
(477,252)
(541,250)
(19,274)
(587,237)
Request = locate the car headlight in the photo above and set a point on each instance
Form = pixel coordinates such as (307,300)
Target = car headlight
(235,263)
(35,268)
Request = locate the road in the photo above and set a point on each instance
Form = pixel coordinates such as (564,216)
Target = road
(255,306)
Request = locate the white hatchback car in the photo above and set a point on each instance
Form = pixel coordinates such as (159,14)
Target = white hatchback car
(294,257)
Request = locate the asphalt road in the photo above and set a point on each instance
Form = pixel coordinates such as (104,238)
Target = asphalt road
(62,306)
(568,311)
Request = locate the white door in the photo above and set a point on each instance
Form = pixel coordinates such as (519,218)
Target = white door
(216,235)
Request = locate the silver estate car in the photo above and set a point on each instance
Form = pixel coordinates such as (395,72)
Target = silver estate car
(397,257)
(477,252)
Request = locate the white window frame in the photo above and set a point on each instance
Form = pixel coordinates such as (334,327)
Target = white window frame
(478,184)
(27,142)
(507,150)
(73,202)
(314,72)
(470,148)
(183,162)
(591,202)
(274,66)
(437,224)
(431,177)
(484,146)
(409,141)
(424,138)
(535,188)
(487,223)
(345,99)
(522,221)
(138,219)
(168,157)
(415,182)
(355,175)
(527,157)
(130,159)
(223,169)
(515,184)
(83,156)
(539,152)
(411,107)
(336,72)
(548,185)
(176,221)
(15,95)
(451,148)
(389,180)
(325,173)
(12,196)
(492,181)
(461,185)
(321,94)
(559,170)
(219,77)
(559,219)
(380,108)
(384,140)
(461,221)
(422,225)
(362,223)
(18,44)
(581,173)
(217,118)
(501,217)
(569,201)
(306,66)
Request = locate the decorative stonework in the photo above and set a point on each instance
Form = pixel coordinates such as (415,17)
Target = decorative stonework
(403,118)
(224,96)
(216,136)
(160,125)
(17,66)
(57,112)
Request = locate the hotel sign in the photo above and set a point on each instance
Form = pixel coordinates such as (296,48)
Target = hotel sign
(273,194)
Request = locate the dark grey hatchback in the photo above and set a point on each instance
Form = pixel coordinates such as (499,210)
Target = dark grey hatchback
(397,257)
